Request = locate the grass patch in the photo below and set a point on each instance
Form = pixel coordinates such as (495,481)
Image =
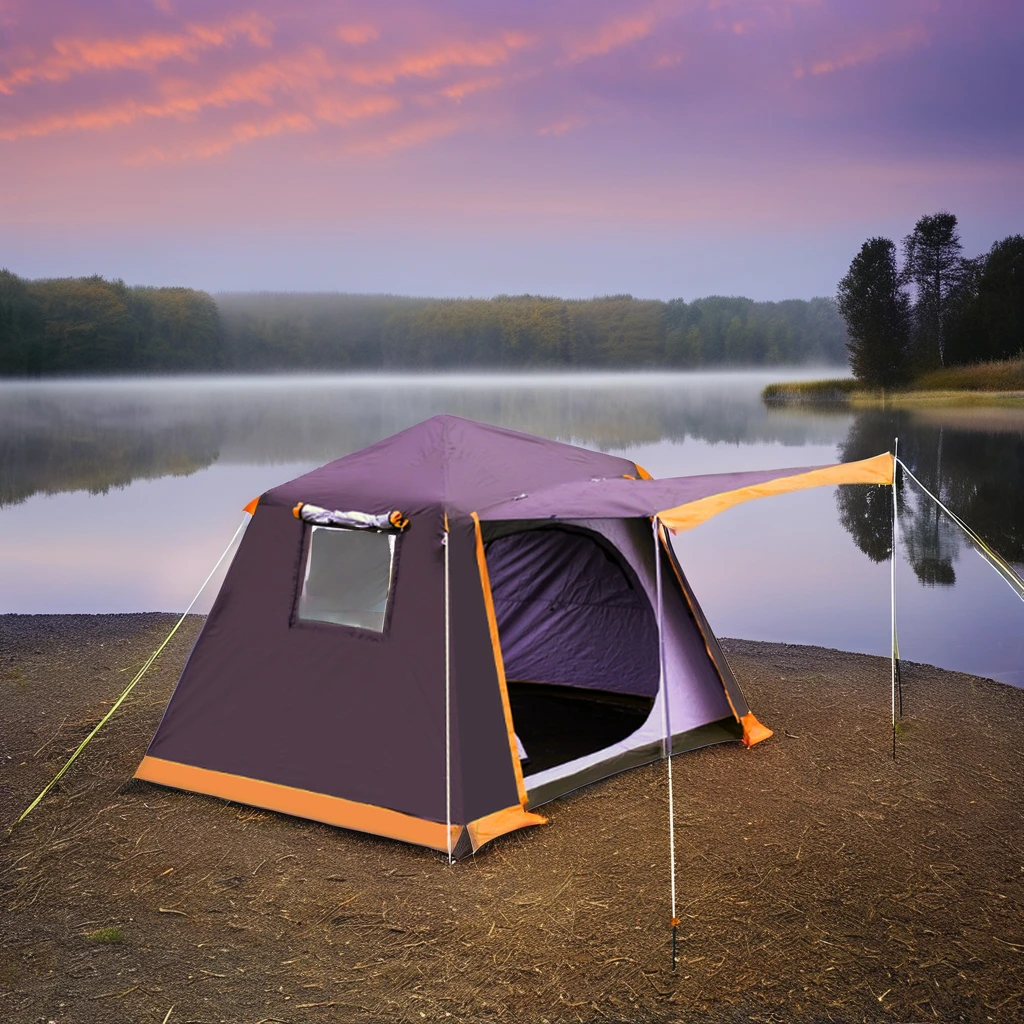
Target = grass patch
(837,390)
(996,382)
(13,675)
(110,936)
(1004,375)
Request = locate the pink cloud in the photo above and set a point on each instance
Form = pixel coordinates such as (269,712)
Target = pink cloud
(415,134)
(567,124)
(459,90)
(610,36)
(75,56)
(244,131)
(300,76)
(356,35)
(337,110)
(870,50)
(434,59)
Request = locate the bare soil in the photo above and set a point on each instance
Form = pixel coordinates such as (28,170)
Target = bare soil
(818,879)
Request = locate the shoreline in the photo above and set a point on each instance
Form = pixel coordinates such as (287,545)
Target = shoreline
(991,383)
(818,879)
(895,399)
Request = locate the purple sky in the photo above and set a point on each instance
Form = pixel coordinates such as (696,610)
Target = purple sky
(460,147)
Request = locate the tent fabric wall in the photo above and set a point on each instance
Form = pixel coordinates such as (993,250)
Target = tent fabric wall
(325,709)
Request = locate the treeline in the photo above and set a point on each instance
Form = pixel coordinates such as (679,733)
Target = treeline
(287,331)
(80,325)
(90,325)
(927,305)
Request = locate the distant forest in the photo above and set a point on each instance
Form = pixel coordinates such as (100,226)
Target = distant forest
(74,326)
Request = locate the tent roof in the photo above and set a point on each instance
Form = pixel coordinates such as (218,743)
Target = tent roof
(446,462)
(463,466)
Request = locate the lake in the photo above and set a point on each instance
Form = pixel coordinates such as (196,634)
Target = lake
(119,495)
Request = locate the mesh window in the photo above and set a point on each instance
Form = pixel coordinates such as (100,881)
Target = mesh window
(348,577)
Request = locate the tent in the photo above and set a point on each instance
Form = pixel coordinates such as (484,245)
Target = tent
(431,637)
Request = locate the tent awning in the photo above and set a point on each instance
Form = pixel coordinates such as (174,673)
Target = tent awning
(681,502)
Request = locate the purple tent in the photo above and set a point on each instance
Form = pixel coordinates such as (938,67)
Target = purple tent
(432,636)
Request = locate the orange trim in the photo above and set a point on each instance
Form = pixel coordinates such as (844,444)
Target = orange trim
(753,730)
(489,827)
(297,511)
(878,470)
(334,810)
(642,473)
(499,662)
(251,507)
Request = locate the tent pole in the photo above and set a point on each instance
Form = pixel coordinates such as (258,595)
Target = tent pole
(447,696)
(895,544)
(667,745)
(892,602)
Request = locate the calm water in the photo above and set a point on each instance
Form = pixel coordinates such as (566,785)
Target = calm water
(119,496)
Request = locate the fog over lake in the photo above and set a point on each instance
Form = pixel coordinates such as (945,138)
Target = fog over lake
(119,495)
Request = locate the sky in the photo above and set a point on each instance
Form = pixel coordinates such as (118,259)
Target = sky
(674,148)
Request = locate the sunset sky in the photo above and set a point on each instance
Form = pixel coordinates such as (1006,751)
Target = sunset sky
(465,147)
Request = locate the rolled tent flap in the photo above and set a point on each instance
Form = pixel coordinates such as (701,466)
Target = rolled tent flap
(318,516)
(877,470)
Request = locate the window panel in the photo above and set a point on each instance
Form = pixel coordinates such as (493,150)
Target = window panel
(348,577)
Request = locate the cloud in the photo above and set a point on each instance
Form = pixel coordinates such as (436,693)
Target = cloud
(415,134)
(610,36)
(337,110)
(356,35)
(868,51)
(459,90)
(567,124)
(73,56)
(432,60)
(301,76)
(244,131)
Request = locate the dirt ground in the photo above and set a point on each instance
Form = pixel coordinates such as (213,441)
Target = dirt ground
(818,880)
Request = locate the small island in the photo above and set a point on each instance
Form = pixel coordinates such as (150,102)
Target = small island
(941,328)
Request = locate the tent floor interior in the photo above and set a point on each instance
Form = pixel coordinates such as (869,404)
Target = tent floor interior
(557,724)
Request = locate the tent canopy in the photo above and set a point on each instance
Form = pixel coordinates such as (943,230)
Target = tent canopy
(463,466)
(369,673)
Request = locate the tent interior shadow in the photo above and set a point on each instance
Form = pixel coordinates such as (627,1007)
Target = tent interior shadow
(557,724)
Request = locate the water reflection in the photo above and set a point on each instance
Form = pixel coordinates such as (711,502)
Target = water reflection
(97,435)
(119,496)
(972,460)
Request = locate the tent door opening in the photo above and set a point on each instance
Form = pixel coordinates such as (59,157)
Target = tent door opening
(578,636)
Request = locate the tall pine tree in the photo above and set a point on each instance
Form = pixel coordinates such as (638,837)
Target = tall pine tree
(934,266)
(876,309)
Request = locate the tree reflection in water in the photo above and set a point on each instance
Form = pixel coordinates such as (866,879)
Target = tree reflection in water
(972,460)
